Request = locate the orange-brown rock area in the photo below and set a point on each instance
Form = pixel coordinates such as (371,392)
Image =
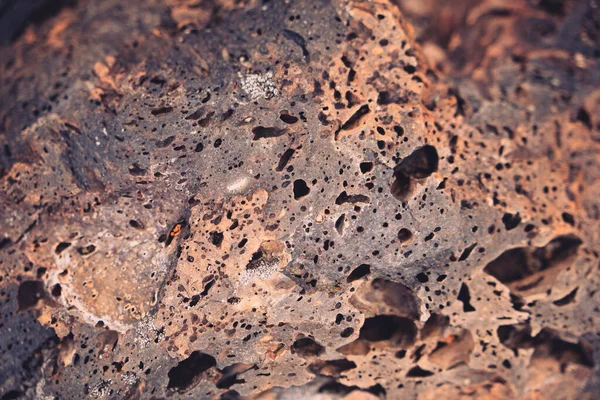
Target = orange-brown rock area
(313,199)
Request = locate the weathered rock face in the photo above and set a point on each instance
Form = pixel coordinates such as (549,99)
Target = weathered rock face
(301,200)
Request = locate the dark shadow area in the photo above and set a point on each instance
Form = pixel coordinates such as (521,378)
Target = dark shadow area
(16,15)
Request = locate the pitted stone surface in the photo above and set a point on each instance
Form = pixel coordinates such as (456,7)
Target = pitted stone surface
(318,199)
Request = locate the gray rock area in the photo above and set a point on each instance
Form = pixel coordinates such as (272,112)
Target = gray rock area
(345,199)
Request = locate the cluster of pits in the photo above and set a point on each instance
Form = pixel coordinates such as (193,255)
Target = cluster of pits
(291,198)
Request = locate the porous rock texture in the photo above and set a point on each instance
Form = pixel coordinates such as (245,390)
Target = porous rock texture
(301,200)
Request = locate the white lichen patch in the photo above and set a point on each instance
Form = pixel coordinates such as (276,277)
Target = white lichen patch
(263,269)
(129,378)
(101,390)
(145,333)
(259,85)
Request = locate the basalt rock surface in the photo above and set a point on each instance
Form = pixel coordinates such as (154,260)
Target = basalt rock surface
(301,199)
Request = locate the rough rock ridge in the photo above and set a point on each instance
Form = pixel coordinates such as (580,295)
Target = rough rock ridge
(341,199)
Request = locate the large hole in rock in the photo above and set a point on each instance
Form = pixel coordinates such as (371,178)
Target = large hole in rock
(4,242)
(355,119)
(511,221)
(216,238)
(62,246)
(89,249)
(400,332)
(420,164)
(515,336)
(353,198)
(567,299)
(401,186)
(189,372)
(30,292)
(510,266)
(230,375)
(340,224)
(300,189)
(465,297)
(547,345)
(384,297)
(359,272)
(261,132)
(404,235)
(526,269)
(398,297)
(307,347)
(284,159)
(340,390)
(287,118)
(418,372)
(366,167)
(331,367)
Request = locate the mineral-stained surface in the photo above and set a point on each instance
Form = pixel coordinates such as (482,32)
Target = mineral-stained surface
(301,199)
